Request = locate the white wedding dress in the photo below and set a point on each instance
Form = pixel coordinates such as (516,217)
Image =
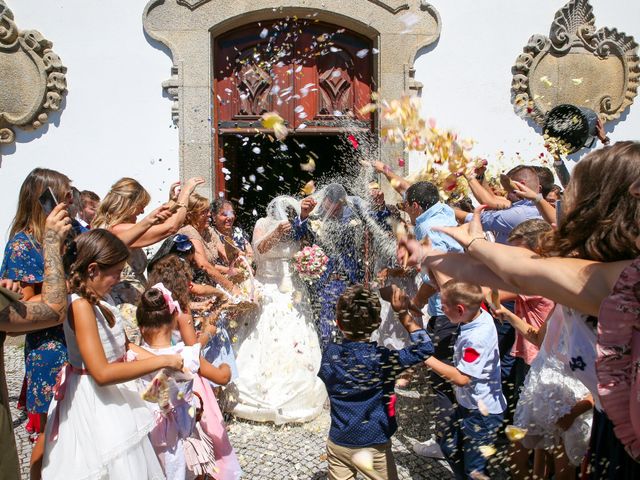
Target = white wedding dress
(279,355)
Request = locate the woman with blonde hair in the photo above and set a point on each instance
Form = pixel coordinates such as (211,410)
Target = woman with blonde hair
(45,350)
(206,253)
(118,213)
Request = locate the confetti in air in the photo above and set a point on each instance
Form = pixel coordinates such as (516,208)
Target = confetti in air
(273,121)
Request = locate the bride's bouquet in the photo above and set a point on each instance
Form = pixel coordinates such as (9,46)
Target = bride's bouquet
(310,263)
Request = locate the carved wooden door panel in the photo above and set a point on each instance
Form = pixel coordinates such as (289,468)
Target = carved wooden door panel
(312,74)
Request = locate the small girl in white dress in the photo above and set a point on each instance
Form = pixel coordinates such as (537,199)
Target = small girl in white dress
(98,423)
(188,443)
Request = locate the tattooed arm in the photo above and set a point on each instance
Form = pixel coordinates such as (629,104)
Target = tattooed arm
(27,316)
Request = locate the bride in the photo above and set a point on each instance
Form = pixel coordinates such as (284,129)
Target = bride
(280,356)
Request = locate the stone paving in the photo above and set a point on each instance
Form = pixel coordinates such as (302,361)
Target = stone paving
(274,452)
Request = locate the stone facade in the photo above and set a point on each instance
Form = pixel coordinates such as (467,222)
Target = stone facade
(398,30)
(32,78)
(576,64)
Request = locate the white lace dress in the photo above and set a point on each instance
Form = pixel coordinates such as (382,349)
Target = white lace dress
(279,355)
(550,390)
(101,430)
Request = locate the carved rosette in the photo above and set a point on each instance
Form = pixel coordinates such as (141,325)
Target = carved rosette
(32,78)
(577,64)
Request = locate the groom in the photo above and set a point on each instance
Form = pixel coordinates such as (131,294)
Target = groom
(338,227)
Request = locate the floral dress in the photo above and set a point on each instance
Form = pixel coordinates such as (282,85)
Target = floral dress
(45,350)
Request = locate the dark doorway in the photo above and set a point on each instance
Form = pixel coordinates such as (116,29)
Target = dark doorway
(258,169)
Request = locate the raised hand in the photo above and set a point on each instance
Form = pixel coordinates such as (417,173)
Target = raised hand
(524,192)
(58,223)
(399,300)
(306,207)
(174,191)
(410,252)
(465,233)
(284,228)
(192,183)
(159,215)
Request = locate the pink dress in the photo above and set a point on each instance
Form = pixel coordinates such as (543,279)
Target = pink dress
(183,440)
(534,310)
(619,358)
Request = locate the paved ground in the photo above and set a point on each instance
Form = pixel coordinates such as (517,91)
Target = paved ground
(274,453)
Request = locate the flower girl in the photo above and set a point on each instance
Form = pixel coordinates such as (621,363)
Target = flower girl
(189,433)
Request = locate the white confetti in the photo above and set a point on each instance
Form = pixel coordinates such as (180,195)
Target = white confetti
(334,49)
(303,115)
(222,160)
(302,126)
(226,171)
(258,188)
(336,73)
(254,212)
(362,53)
(241,201)
(299,109)
(283,147)
(252,178)
(256,150)
(264,33)
(260,169)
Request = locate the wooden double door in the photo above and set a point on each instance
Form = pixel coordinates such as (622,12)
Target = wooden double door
(316,76)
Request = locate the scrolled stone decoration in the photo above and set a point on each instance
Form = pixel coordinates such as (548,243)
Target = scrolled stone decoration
(576,64)
(192,4)
(32,77)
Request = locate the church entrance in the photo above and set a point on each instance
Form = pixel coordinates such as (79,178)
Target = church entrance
(317,77)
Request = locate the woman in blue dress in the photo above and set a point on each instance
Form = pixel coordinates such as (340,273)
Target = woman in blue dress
(45,350)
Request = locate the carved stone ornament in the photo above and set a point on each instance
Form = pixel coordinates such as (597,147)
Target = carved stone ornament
(32,78)
(192,4)
(576,64)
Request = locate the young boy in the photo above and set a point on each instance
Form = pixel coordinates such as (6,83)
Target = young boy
(360,377)
(476,380)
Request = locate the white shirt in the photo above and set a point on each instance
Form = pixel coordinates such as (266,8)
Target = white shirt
(476,355)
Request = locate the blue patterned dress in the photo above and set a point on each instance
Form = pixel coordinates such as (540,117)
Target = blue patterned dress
(45,350)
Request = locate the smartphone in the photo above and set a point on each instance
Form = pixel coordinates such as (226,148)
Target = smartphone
(558,212)
(48,201)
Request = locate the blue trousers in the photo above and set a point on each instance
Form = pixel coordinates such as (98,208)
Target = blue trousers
(468,431)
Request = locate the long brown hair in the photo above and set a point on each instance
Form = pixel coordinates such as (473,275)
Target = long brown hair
(95,246)
(600,219)
(30,217)
(175,274)
(123,200)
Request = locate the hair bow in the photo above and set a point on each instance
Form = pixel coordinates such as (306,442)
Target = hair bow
(172,304)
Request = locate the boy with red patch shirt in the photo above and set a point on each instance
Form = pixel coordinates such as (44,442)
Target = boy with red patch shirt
(476,380)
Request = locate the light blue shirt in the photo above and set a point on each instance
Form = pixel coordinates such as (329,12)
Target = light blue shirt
(476,354)
(439,215)
(501,222)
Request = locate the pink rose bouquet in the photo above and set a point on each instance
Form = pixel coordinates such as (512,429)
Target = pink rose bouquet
(310,263)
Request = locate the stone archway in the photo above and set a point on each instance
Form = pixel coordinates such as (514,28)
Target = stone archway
(397,30)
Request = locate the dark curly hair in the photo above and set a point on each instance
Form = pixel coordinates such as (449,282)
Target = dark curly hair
(175,274)
(600,219)
(358,312)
